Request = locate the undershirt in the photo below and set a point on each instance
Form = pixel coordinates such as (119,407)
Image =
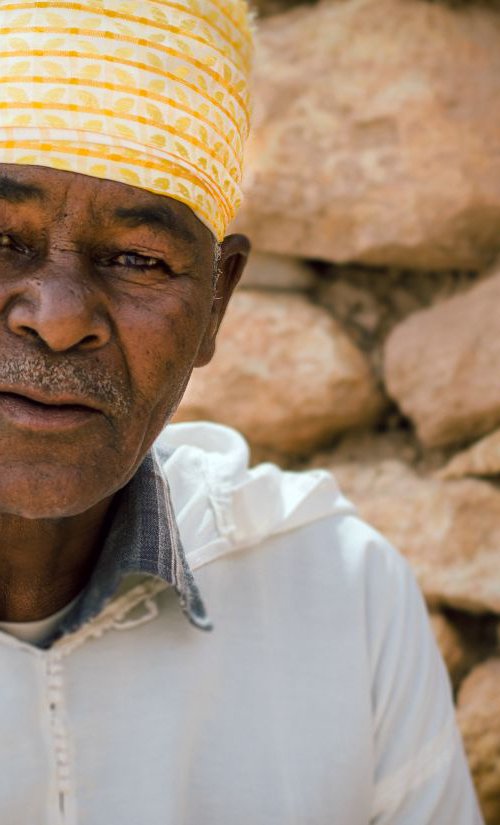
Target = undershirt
(33,632)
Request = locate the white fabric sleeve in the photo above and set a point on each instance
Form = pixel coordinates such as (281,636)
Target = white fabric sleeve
(421,774)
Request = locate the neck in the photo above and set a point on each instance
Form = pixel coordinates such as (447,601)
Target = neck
(44,564)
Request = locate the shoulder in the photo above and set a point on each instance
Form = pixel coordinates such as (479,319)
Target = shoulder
(293,539)
(308,597)
(296,524)
(207,465)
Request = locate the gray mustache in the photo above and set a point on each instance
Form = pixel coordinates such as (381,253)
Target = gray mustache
(90,383)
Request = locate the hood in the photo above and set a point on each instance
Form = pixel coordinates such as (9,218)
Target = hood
(222,505)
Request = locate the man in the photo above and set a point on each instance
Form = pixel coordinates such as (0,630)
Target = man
(319,697)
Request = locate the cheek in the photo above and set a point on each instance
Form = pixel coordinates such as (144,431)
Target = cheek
(161,345)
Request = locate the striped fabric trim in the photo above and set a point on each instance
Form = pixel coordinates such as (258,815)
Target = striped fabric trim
(55,82)
(232,90)
(56,108)
(143,539)
(180,573)
(141,20)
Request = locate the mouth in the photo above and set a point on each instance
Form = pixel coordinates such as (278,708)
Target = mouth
(33,411)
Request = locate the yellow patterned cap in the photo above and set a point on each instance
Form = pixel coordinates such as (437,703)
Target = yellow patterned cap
(147,92)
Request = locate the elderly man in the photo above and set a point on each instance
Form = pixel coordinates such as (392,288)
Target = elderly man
(319,697)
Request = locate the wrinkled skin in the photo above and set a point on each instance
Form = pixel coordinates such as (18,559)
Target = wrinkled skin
(110,308)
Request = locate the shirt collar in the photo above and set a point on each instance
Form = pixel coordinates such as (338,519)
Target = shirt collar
(143,538)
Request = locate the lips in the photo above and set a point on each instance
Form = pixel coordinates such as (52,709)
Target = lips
(29,409)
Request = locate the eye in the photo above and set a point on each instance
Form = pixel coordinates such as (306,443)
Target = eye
(132,260)
(6,241)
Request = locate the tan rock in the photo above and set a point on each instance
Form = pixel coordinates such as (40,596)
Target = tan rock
(278,272)
(370,302)
(370,448)
(441,365)
(448,530)
(479,721)
(374,136)
(482,459)
(284,373)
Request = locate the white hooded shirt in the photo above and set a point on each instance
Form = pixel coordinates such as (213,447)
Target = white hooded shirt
(318,699)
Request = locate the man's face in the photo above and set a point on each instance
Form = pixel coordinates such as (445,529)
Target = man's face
(106,305)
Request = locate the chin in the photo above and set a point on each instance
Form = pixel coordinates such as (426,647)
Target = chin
(49,492)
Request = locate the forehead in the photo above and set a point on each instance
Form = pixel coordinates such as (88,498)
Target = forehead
(53,193)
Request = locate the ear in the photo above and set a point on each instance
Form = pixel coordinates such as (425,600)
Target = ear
(235,251)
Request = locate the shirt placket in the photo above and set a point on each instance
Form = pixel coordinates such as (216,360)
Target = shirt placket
(64,790)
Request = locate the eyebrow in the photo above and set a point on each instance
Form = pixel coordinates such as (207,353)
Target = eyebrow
(155,217)
(16,192)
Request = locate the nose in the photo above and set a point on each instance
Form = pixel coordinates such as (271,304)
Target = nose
(62,309)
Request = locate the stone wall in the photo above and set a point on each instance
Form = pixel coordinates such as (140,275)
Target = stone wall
(366,334)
